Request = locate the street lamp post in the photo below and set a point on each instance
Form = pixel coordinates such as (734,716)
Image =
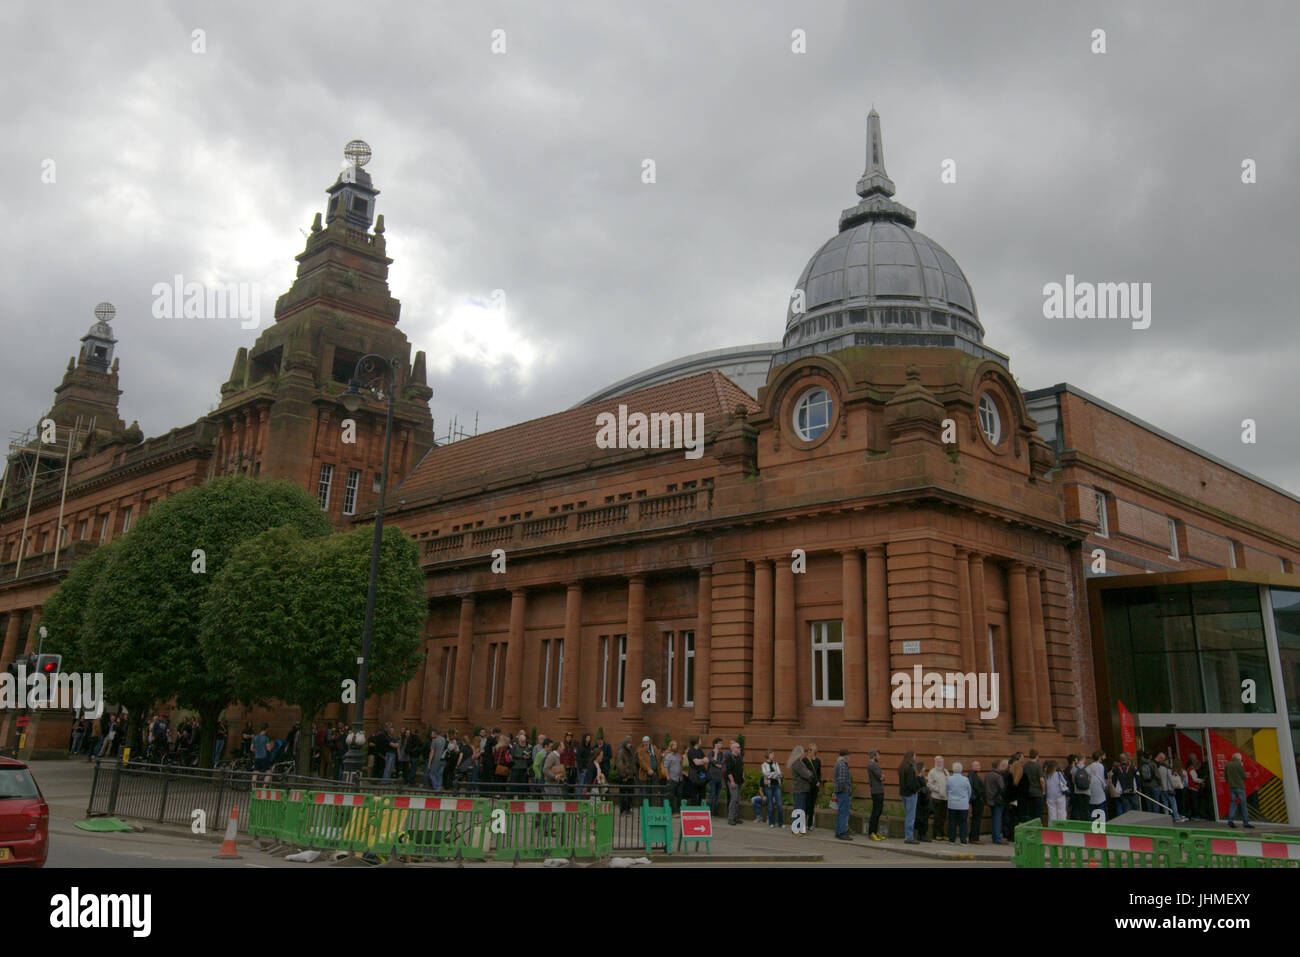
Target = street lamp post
(372,368)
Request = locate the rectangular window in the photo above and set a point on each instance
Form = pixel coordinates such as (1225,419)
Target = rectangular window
(559,669)
(103,528)
(670,652)
(604,671)
(126,519)
(1173,538)
(323,487)
(546,672)
(828,662)
(83,530)
(374,484)
(1103,524)
(622,666)
(496,667)
(688,669)
(1232,554)
(350,492)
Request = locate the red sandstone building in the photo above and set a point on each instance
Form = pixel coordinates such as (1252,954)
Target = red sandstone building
(890,499)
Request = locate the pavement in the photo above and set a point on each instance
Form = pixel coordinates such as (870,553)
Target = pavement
(66,785)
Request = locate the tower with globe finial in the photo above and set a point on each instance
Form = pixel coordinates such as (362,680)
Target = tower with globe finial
(279,414)
(90,387)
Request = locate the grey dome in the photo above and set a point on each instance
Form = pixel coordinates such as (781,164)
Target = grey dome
(879,282)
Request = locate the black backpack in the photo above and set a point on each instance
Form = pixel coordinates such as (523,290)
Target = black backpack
(1082,780)
(1147,773)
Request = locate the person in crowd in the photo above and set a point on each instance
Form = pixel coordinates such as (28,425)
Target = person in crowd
(958,805)
(1123,777)
(695,771)
(672,771)
(1097,786)
(402,762)
(339,748)
(876,786)
(553,772)
(937,782)
(1167,796)
(842,788)
(1196,789)
(717,774)
(647,762)
(606,753)
(800,781)
(814,792)
(1032,773)
(995,788)
(261,750)
(772,790)
(908,787)
(978,800)
(78,733)
(593,777)
(625,765)
(1080,787)
(735,774)
(1057,791)
(1179,775)
(1234,775)
(219,742)
(246,740)
(924,806)
(1147,782)
(520,756)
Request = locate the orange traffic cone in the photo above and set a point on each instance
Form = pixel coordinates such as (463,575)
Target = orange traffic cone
(228,850)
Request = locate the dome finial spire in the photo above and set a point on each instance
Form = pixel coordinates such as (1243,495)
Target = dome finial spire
(875,187)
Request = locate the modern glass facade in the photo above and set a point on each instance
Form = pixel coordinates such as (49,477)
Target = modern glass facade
(1205,665)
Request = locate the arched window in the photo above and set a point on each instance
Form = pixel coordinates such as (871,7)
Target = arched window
(812,414)
(990,421)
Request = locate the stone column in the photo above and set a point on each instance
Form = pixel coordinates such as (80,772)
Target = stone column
(635,648)
(855,638)
(703,627)
(965,619)
(464,643)
(511,710)
(572,651)
(1022,649)
(785,670)
(11,638)
(1042,677)
(34,633)
(763,640)
(979,615)
(877,637)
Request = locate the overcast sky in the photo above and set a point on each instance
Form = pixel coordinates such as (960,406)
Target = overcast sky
(522,172)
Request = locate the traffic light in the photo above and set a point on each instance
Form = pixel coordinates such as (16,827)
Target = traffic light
(46,665)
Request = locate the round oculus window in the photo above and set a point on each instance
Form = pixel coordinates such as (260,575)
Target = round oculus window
(812,414)
(990,421)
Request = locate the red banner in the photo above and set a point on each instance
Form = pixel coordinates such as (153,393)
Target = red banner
(1127,733)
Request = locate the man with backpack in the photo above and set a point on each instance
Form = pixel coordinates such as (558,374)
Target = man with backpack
(1123,776)
(1081,788)
(1146,781)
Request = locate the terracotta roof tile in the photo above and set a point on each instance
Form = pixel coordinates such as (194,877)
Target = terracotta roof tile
(566,440)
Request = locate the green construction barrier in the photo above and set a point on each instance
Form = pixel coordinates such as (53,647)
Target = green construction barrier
(657,826)
(266,813)
(1074,844)
(432,827)
(1240,849)
(533,830)
(335,821)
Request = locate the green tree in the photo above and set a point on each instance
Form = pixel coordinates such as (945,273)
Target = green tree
(285,619)
(144,619)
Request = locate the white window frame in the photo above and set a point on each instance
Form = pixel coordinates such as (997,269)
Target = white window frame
(1103,520)
(103,527)
(1173,539)
(604,671)
(559,669)
(688,669)
(822,648)
(1232,554)
(990,419)
(350,492)
(492,671)
(546,673)
(126,519)
(447,675)
(323,486)
(672,660)
(622,668)
(805,405)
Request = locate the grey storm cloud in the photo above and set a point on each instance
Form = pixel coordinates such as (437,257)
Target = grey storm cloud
(521,172)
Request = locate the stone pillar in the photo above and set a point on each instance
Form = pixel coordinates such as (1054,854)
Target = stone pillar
(877,637)
(785,670)
(979,615)
(763,640)
(703,627)
(1022,649)
(635,648)
(464,644)
(855,638)
(1042,677)
(34,632)
(11,638)
(511,710)
(572,652)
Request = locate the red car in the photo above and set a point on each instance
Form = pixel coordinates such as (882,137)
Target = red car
(24,817)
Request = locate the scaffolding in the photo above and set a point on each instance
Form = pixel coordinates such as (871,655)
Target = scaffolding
(455,432)
(33,463)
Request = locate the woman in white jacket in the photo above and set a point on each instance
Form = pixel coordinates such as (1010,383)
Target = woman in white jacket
(1057,790)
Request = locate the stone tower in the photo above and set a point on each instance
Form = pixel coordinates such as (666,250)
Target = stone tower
(280,414)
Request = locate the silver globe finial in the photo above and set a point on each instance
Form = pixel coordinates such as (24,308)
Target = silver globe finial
(104,312)
(358,151)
